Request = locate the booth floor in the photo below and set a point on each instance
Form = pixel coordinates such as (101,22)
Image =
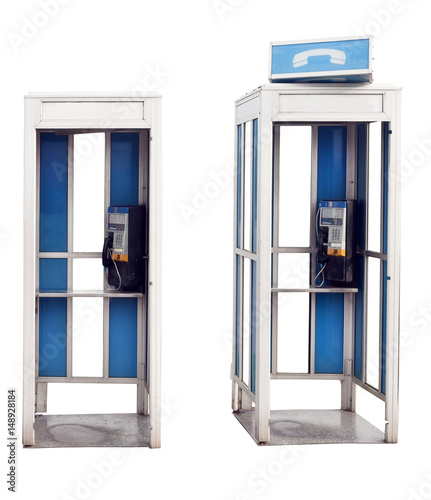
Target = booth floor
(314,427)
(120,429)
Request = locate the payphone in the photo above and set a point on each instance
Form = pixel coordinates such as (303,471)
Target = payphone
(336,238)
(123,253)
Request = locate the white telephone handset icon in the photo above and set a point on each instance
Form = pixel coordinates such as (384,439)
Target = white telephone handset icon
(337,56)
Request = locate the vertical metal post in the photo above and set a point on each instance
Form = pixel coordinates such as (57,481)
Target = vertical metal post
(263,292)
(155,273)
(393,266)
(313,211)
(142,392)
(235,389)
(347,386)
(32,116)
(275,246)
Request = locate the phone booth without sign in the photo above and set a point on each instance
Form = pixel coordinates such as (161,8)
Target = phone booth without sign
(317,173)
(92,181)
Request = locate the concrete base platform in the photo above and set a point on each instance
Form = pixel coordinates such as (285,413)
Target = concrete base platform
(62,431)
(314,427)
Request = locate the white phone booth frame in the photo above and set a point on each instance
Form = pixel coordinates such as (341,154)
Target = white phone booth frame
(265,110)
(69,114)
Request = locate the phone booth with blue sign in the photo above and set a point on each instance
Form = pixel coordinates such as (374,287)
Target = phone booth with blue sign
(92,181)
(317,248)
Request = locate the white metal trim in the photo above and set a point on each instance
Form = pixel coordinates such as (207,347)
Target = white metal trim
(155,274)
(263,278)
(29,335)
(318,40)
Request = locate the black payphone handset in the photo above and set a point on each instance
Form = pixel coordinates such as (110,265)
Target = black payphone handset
(336,242)
(123,254)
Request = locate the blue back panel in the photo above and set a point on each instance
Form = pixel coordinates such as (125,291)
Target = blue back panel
(329,333)
(53,192)
(361,182)
(123,324)
(52,336)
(331,185)
(331,160)
(52,274)
(124,168)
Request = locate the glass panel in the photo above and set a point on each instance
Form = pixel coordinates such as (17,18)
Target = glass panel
(123,327)
(253,327)
(293,332)
(87,274)
(87,344)
(246,347)
(293,270)
(374,186)
(124,168)
(248,157)
(238,314)
(53,192)
(295,177)
(52,336)
(373,323)
(254,187)
(88,192)
(239,186)
(52,274)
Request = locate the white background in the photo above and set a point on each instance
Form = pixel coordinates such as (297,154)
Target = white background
(202,55)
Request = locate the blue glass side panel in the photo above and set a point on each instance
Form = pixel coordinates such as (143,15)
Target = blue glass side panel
(53,192)
(331,185)
(253,326)
(239,185)
(254,188)
(123,324)
(361,182)
(329,333)
(124,168)
(52,274)
(237,314)
(385,184)
(52,337)
(359,320)
(272,299)
(385,250)
(384,311)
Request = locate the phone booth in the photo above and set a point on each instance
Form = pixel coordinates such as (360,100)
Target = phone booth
(92,182)
(316,253)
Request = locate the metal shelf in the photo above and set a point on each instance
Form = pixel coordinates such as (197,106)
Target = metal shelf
(87,293)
